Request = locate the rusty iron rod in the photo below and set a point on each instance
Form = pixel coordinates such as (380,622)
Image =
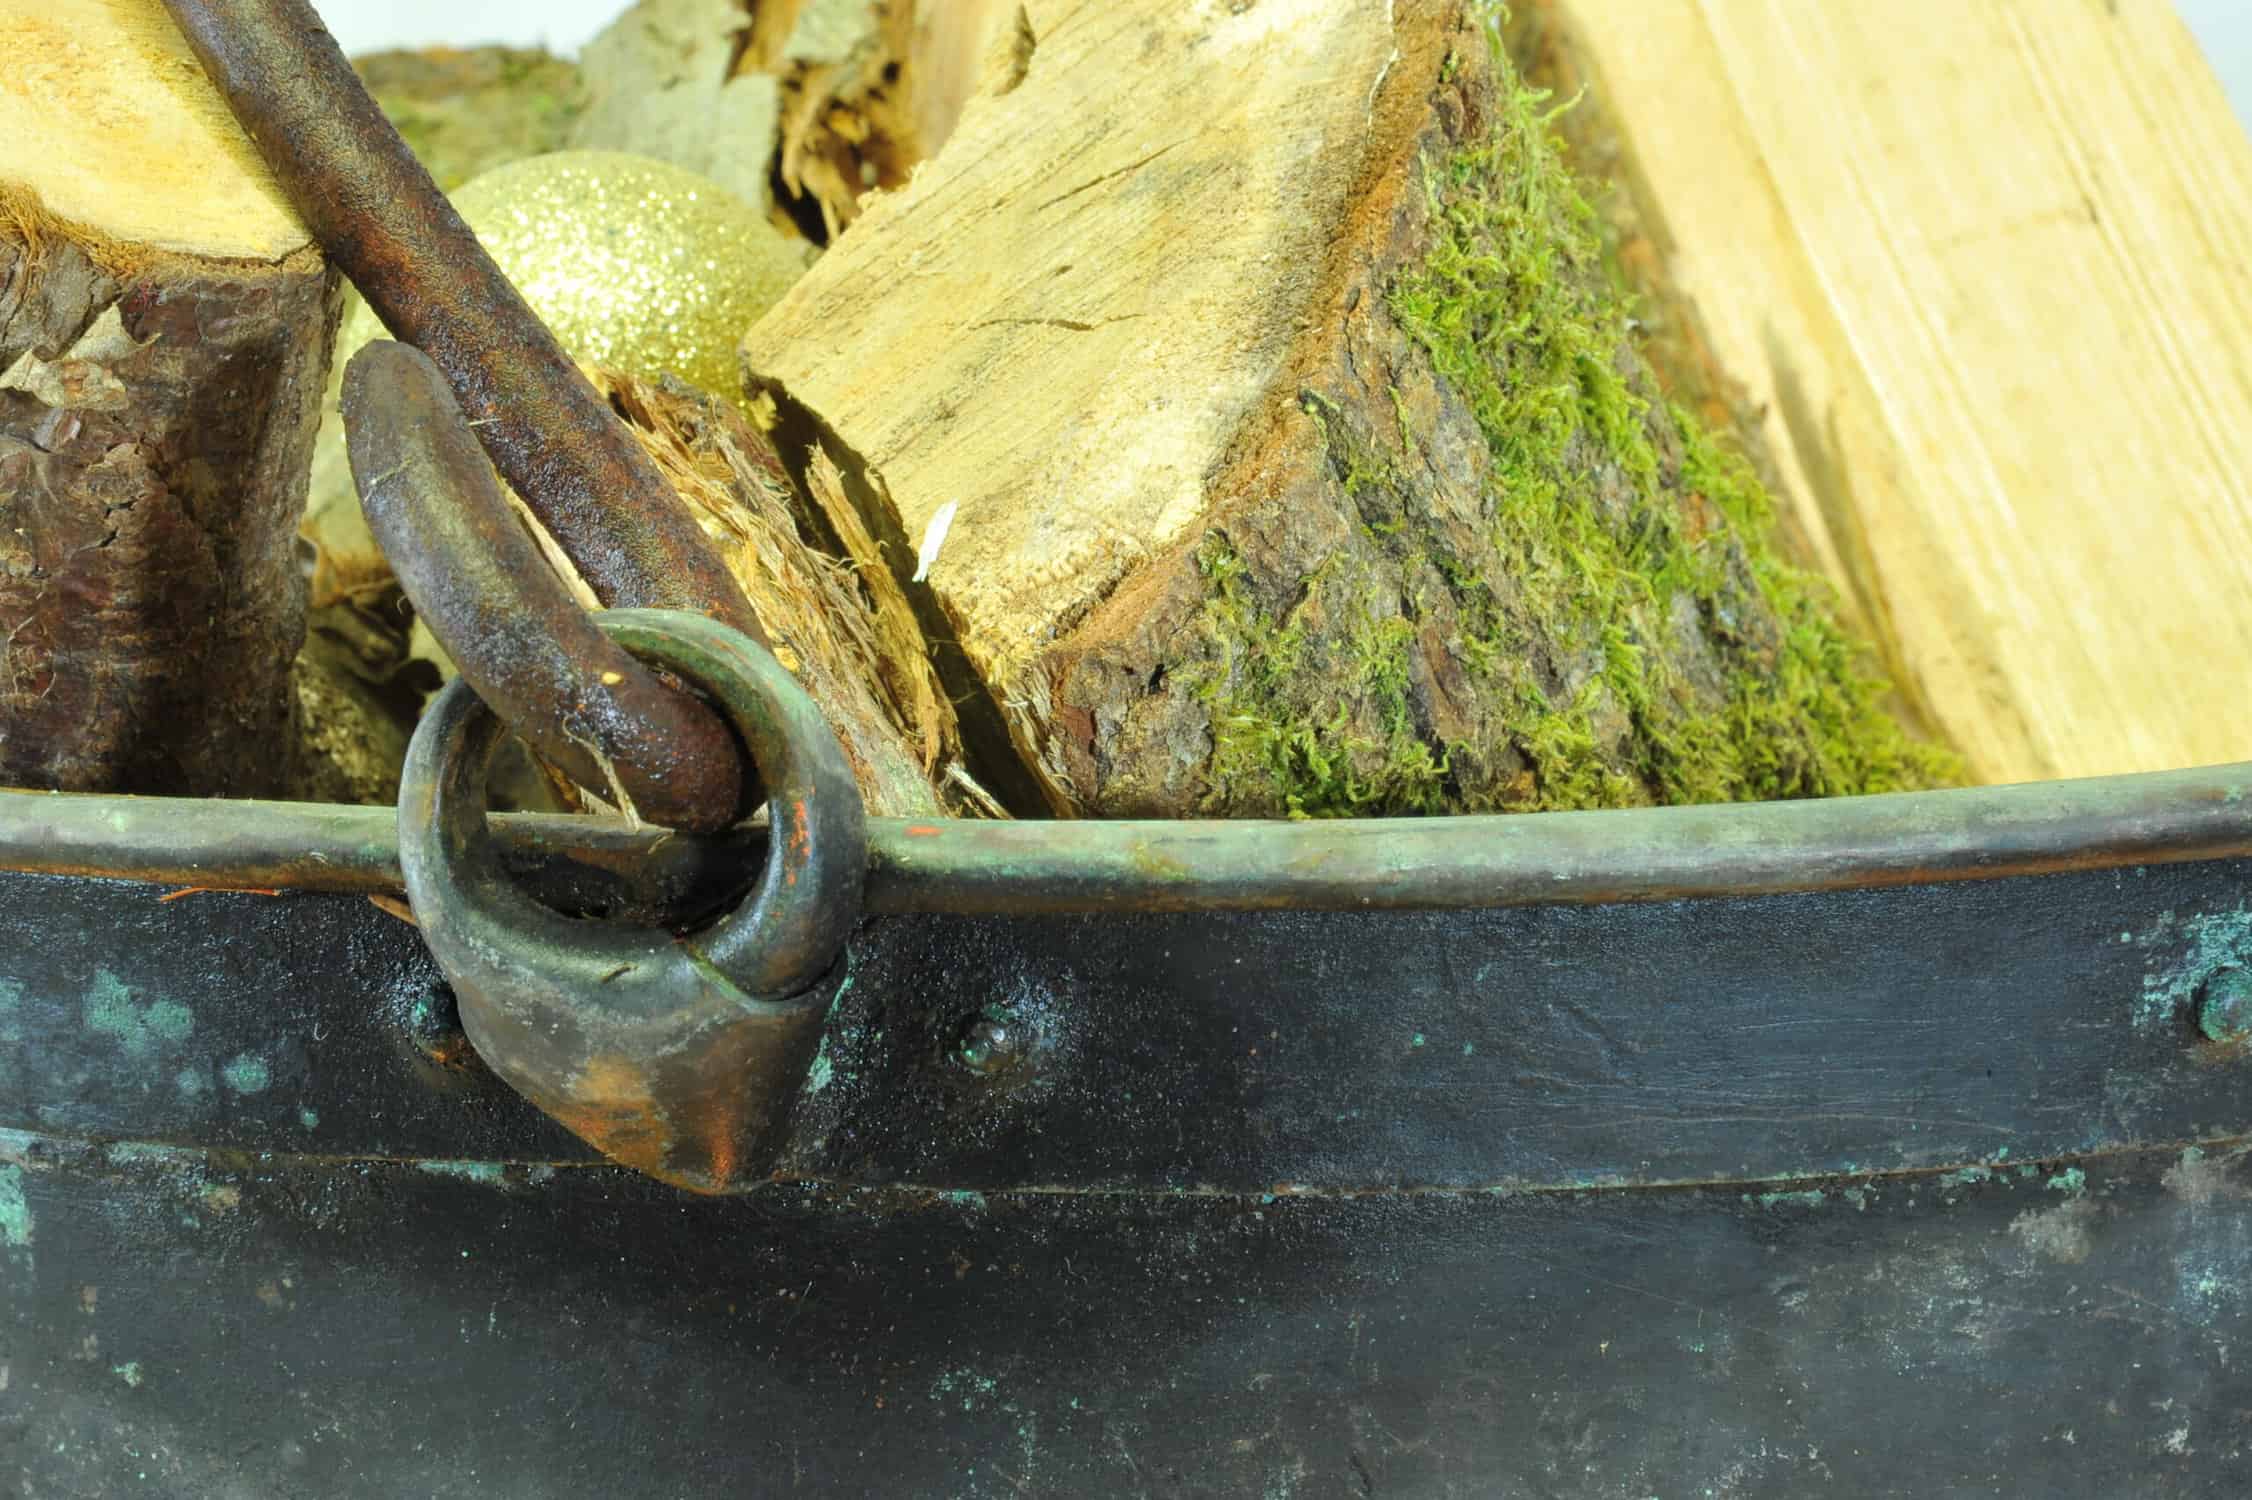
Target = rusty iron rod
(518,636)
(1026,869)
(381,219)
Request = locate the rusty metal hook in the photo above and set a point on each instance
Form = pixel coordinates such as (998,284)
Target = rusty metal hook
(518,636)
(383,221)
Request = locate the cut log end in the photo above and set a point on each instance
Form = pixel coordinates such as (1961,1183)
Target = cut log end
(112,126)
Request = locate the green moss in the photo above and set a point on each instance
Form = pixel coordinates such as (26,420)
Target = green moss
(1513,307)
(1268,737)
(1646,642)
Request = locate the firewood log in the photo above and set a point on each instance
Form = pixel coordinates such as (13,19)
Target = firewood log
(164,330)
(1240,399)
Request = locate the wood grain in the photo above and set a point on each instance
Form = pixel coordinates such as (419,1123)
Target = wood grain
(1982,266)
(105,110)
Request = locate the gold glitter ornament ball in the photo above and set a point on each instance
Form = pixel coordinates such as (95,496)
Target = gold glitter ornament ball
(638,265)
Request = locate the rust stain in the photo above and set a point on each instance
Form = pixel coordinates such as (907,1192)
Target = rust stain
(924,831)
(214,890)
(801,844)
(610,1108)
(723,1159)
(723,1131)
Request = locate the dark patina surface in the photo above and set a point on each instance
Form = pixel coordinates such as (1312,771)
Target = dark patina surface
(1931,1189)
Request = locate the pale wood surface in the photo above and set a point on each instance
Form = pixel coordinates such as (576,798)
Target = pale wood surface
(659,84)
(1984,266)
(106,115)
(957,43)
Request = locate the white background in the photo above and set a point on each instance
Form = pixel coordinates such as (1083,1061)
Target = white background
(2223,27)
(367,25)
(2224,30)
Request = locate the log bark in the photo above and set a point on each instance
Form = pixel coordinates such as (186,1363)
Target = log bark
(164,327)
(1240,401)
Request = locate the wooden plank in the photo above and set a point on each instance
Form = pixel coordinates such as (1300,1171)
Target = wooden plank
(1981,266)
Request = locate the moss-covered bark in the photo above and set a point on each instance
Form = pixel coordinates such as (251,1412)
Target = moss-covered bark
(1486,566)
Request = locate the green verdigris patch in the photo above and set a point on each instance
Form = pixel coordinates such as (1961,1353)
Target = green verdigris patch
(2196,948)
(141,1030)
(246,1074)
(487,1173)
(1620,610)
(15,1211)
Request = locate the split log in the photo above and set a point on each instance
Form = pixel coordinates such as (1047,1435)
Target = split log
(1976,266)
(1239,399)
(164,327)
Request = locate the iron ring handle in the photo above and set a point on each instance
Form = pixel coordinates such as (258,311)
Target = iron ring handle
(678,1054)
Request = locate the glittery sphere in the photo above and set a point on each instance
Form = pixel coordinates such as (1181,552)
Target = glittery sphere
(638,265)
